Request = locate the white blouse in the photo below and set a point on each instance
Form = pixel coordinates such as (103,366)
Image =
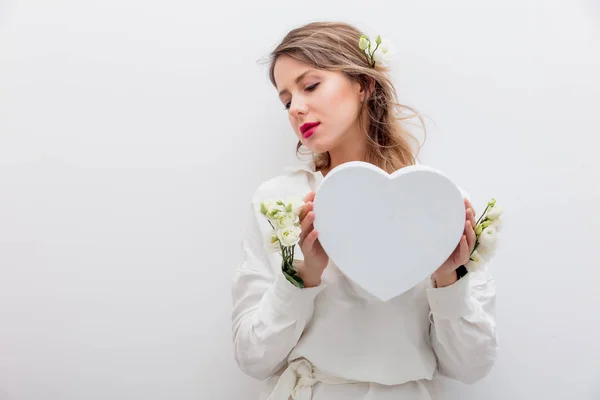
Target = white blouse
(336,341)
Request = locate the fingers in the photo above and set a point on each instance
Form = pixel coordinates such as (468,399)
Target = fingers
(307,226)
(471,237)
(308,205)
(460,254)
(310,240)
(468,204)
(463,251)
(309,197)
(471,217)
(470,213)
(306,208)
(307,217)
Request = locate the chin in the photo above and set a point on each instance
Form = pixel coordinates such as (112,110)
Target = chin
(318,144)
(317,148)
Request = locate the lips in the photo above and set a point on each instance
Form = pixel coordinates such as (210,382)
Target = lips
(308,128)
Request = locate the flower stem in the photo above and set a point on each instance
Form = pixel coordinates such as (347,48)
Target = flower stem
(287,267)
(482,215)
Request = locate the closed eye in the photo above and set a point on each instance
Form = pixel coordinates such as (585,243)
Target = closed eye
(312,87)
(308,89)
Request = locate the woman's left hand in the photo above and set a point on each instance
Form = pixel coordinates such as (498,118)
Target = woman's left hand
(446,274)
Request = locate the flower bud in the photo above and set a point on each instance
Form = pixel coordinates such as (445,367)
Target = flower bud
(478,230)
(363,43)
(495,213)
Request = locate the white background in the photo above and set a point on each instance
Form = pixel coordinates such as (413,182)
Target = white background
(133,134)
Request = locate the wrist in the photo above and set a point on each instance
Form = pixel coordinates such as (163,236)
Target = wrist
(443,280)
(309,277)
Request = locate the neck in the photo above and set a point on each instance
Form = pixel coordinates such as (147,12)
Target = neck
(346,155)
(354,148)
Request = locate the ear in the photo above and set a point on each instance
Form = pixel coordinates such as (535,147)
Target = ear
(367,88)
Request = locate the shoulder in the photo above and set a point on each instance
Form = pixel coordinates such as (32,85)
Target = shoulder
(293,181)
(290,183)
(280,186)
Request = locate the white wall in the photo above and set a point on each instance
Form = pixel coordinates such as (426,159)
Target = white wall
(133,133)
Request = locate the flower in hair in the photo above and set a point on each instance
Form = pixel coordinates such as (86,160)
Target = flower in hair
(378,51)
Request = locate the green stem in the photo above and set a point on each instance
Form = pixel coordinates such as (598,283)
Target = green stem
(373,54)
(475,248)
(287,267)
(482,215)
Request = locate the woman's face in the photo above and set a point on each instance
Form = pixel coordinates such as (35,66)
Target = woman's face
(323,106)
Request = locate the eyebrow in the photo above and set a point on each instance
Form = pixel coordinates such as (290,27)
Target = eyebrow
(298,79)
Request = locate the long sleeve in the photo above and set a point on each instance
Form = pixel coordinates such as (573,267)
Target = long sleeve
(463,329)
(269,313)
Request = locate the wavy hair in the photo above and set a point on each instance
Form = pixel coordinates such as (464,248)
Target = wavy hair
(333,46)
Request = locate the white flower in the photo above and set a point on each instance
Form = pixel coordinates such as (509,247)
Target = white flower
(384,53)
(294,204)
(497,224)
(272,243)
(495,212)
(285,219)
(271,208)
(475,262)
(488,237)
(289,236)
(488,252)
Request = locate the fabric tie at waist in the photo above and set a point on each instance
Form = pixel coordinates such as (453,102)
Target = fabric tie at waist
(298,379)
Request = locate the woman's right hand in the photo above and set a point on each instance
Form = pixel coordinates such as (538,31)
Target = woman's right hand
(315,258)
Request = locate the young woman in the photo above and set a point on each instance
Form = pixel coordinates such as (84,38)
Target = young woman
(330,340)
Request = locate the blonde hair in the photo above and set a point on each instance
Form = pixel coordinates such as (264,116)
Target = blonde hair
(333,46)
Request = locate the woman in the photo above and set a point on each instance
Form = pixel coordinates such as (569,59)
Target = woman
(331,340)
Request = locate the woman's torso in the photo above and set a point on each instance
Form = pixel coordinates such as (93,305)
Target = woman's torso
(353,335)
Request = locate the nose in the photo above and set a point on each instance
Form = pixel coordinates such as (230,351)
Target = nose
(298,107)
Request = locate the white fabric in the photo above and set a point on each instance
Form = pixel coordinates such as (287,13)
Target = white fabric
(299,378)
(336,341)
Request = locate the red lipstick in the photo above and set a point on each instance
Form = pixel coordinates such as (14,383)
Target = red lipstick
(309,128)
